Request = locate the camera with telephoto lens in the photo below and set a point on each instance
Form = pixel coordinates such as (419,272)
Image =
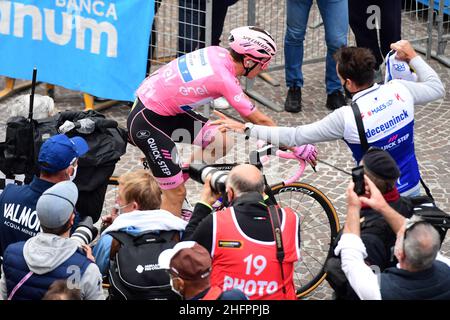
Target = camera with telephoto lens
(199,172)
(85,232)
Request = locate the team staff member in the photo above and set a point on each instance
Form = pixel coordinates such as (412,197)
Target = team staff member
(387,112)
(241,238)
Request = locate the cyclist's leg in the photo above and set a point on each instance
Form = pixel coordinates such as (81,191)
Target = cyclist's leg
(218,146)
(214,144)
(151,133)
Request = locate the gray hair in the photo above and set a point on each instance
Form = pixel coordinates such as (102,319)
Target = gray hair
(421,246)
(43,107)
(241,184)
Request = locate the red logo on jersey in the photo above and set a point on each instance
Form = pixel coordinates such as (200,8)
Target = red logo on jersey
(393,138)
(397,96)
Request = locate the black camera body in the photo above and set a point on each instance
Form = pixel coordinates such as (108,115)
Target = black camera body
(358,179)
(199,173)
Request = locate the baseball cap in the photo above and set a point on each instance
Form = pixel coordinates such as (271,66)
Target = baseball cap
(381,163)
(187,259)
(398,69)
(58,151)
(56,204)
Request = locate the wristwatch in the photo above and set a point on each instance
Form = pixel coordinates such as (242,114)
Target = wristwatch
(248,127)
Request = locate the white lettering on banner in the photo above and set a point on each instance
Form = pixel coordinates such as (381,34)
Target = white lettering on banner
(97,29)
(96,7)
(250,287)
(21,11)
(5,19)
(26,218)
(60,39)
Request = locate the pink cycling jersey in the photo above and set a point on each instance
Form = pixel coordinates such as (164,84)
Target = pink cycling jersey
(194,80)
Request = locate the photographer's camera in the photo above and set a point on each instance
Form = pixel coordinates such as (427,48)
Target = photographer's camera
(199,172)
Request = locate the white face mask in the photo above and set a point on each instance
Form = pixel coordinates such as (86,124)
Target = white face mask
(119,208)
(74,174)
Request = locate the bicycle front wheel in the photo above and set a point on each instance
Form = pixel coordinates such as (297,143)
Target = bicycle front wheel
(319,225)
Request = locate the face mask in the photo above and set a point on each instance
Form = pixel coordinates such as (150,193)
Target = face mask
(173,288)
(74,174)
(119,208)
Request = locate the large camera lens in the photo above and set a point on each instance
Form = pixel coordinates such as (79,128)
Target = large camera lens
(218,179)
(85,232)
(199,172)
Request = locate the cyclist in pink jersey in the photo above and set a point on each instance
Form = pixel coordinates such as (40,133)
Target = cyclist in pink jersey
(163,111)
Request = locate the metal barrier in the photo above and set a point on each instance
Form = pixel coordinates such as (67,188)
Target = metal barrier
(443,32)
(179,26)
(426,24)
(417,24)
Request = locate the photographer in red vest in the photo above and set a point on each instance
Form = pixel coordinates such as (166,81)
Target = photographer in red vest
(241,238)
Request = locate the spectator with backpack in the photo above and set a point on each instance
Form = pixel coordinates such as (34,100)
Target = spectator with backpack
(58,162)
(135,238)
(30,267)
(189,266)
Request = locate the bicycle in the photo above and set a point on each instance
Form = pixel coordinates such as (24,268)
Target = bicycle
(317,217)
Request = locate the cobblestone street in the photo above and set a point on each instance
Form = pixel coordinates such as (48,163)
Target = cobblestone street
(432,144)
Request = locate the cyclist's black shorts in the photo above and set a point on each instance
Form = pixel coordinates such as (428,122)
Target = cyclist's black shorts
(156,135)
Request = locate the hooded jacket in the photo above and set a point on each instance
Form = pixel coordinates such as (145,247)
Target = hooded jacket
(49,257)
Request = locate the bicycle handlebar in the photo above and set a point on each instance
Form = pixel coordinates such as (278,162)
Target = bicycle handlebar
(261,156)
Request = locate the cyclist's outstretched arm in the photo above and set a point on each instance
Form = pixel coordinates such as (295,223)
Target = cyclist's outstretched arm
(257,117)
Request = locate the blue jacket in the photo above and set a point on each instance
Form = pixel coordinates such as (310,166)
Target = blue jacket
(433,283)
(15,268)
(18,217)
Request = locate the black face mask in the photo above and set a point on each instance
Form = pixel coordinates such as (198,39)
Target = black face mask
(348,94)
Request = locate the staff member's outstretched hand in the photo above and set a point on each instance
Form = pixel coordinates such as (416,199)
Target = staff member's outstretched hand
(226,124)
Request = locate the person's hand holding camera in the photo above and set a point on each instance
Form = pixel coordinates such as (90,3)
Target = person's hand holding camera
(353,200)
(208,195)
(375,199)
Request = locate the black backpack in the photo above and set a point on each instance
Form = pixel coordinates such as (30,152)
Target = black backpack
(134,273)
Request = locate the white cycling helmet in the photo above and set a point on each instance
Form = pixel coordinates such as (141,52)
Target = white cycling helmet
(254,43)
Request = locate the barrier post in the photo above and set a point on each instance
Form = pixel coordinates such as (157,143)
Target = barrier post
(251,20)
(11,87)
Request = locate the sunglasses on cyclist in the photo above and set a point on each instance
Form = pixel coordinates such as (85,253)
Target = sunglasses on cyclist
(264,64)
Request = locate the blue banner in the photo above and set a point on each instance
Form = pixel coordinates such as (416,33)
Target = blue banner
(95,46)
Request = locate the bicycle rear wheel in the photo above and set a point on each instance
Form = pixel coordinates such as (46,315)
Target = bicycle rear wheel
(319,225)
